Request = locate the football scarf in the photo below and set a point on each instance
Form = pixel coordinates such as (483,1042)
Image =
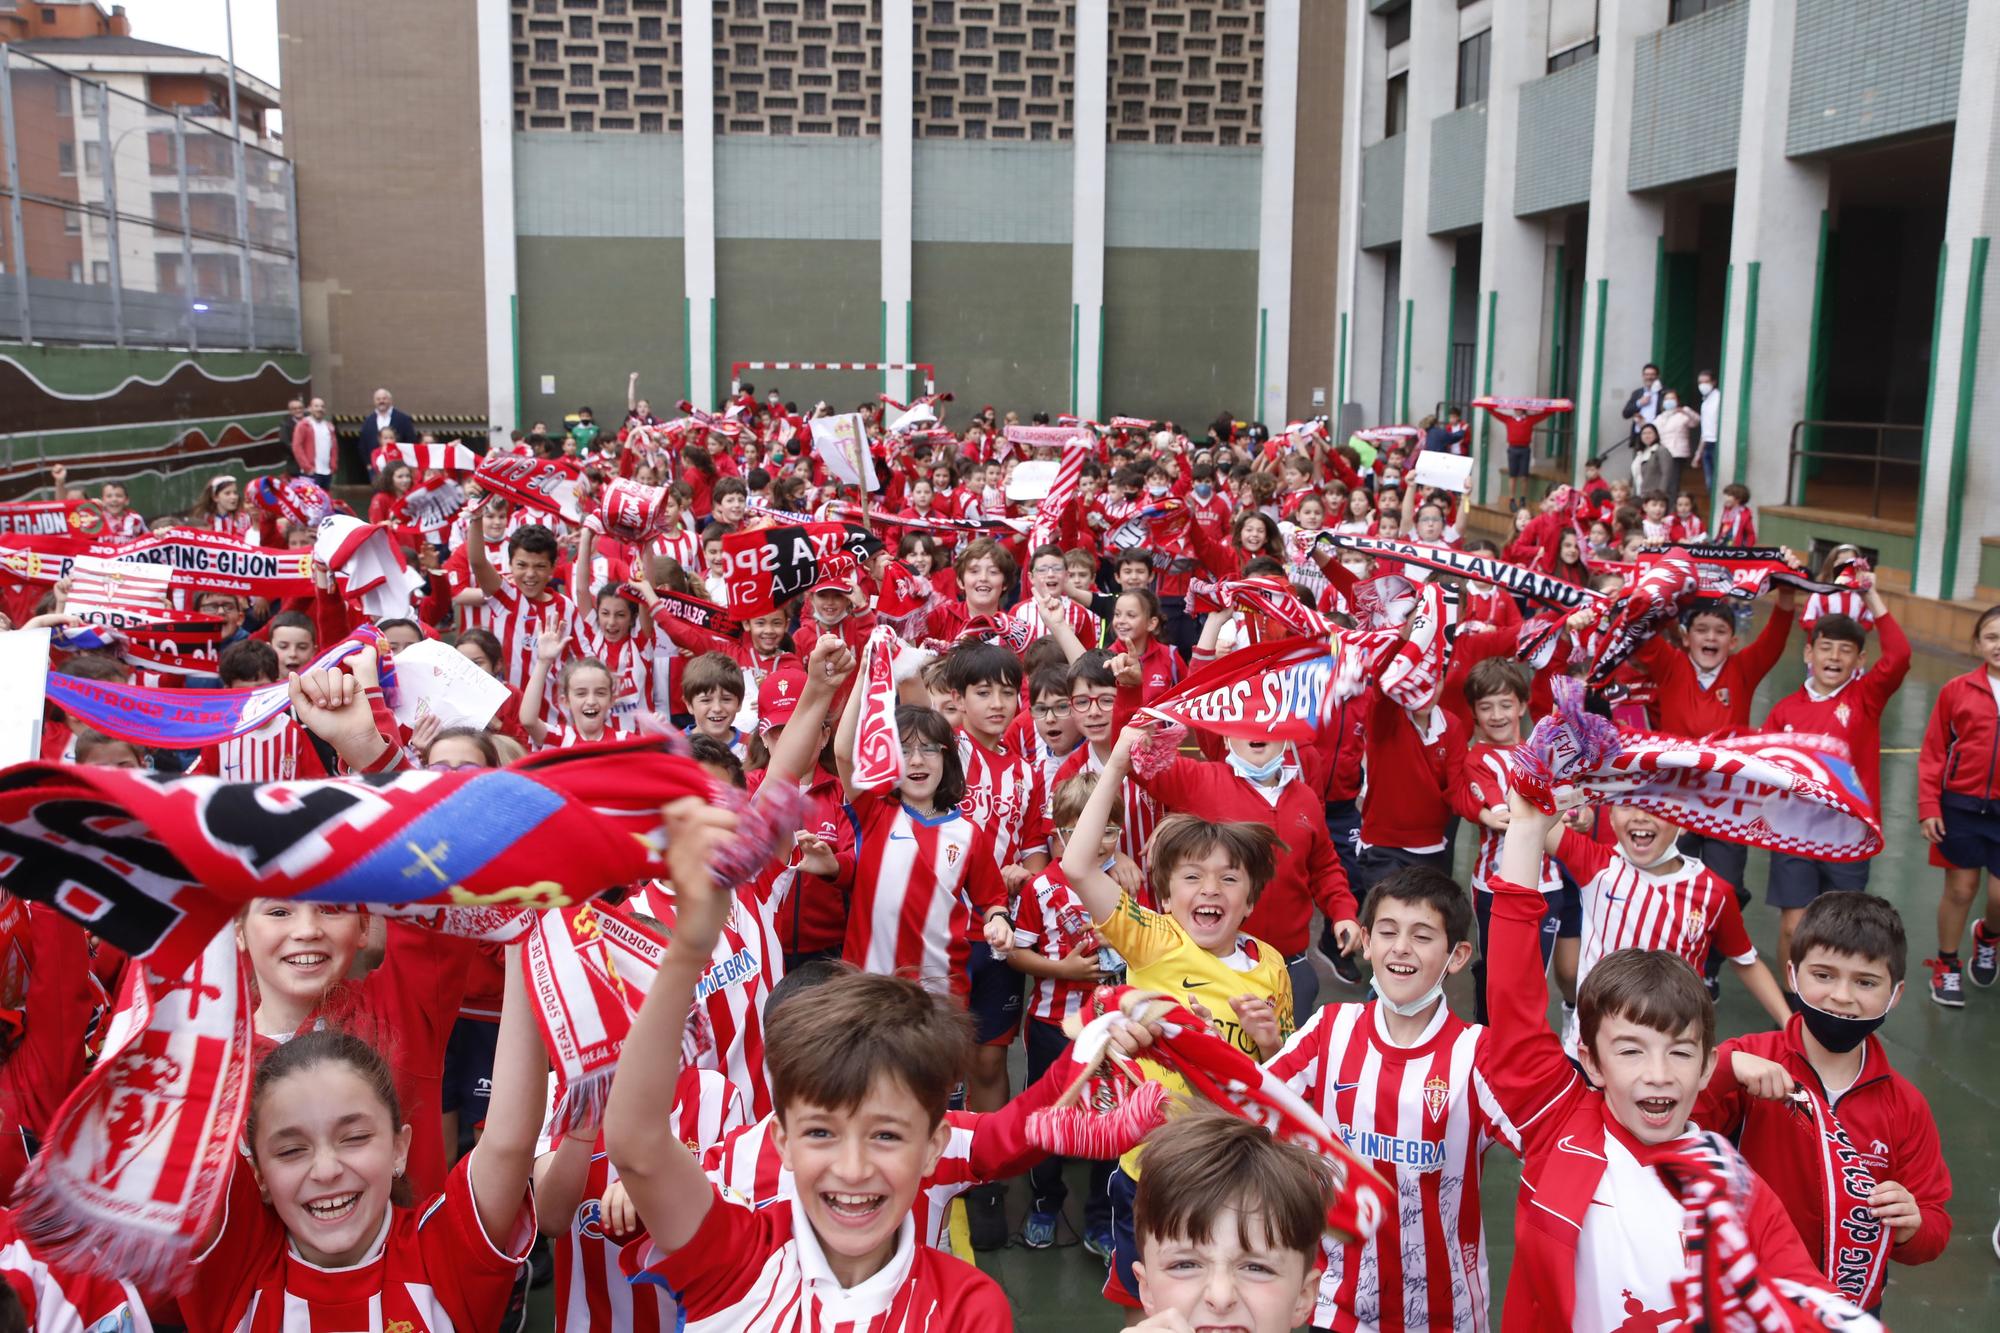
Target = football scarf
(696,611)
(451,457)
(903,592)
(367,566)
(726,427)
(541,485)
(156,868)
(1789,792)
(630,513)
(1050,437)
(886,661)
(1283,689)
(1411,672)
(171,653)
(1664,587)
(1734,571)
(298,500)
(189,719)
(1521,415)
(1062,491)
(200,561)
(953,525)
(1218,1073)
(1545,588)
(589,968)
(770,566)
(139,1156)
(52,518)
(431,504)
(1268,597)
(1855,1246)
(118,595)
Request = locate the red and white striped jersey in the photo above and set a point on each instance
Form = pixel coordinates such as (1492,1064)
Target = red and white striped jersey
(1140,816)
(631,661)
(996,794)
(1489,775)
(1625,907)
(1846,602)
(920,884)
(517,623)
(683,546)
(58,1299)
(561,736)
(236,525)
(1052,920)
(1423,1117)
(729,999)
(278,751)
(1089,627)
(591,1293)
(126,527)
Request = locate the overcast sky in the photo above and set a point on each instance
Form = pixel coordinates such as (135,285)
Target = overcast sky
(198,25)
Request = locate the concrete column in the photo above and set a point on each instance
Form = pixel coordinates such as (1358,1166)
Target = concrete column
(1358,349)
(1274,222)
(1423,359)
(1086,253)
(1513,251)
(899,53)
(1774,261)
(496,217)
(1622,243)
(1960,499)
(702,375)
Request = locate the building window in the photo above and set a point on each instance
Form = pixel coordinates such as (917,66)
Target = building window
(975,85)
(90,95)
(1043,39)
(617,99)
(815,57)
(617,53)
(579,26)
(940,108)
(1010,108)
(649,29)
(781,79)
(1010,62)
(614,8)
(847,81)
(746,102)
(649,122)
(581,76)
(1396,106)
(650,76)
(582,120)
(1132,67)
(1680,11)
(848,34)
(815,11)
(1576,55)
(76,270)
(1042,85)
(1396,27)
(975,39)
(1010,16)
(975,129)
(850,127)
(66,159)
(91,162)
(815,104)
(546,100)
(100,272)
(73,220)
(1475,59)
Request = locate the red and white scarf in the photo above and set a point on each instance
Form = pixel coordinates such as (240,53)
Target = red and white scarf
(1282,689)
(451,457)
(535,482)
(139,1156)
(878,741)
(1048,513)
(1856,1245)
(589,969)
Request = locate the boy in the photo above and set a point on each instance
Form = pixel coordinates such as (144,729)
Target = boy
(713,687)
(293,638)
(859,1079)
(1736,525)
(1100,705)
(1048,577)
(1206,876)
(986,576)
(518,601)
(1598,1227)
(1654,521)
(1847,958)
(1402,1075)
(280,749)
(1228,1221)
(1839,699)
(732,497)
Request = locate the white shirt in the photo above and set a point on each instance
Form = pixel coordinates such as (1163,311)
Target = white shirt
(1711,415)
(322,446)
(383,420)
(1631,1248)
(1649,405)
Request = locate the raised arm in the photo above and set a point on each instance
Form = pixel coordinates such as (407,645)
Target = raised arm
(504,1158)
(662,1177)
(483,574)
(548,647)
(579,575)
(843,738)
(632,392)
(1055,619)
(1097,891)
(832,662)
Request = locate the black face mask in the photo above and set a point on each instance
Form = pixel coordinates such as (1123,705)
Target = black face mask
(1839,1033)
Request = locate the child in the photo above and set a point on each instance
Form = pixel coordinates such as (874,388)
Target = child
(1958,788)
(318,1232)
(860,1078)
(522,600)
(836,609)
(1048,584)
(1736,525)
(1686,524)
(713,686)
(586,689)
(985,576)
(609,629)
(1597,1226)
(293,638)
(1207,876)
(279,750)
(1654,523)
(1483,605)
(1136,620)
(1405,1074)
(1100,704)
(1842,700)
(1847,959)
(1227,1223)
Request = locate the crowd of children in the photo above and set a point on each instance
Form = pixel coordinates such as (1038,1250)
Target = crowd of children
(818,1081)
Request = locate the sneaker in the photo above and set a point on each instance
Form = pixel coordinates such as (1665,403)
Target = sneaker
(986,1217)
(1946,988)
(1346,968)
(1039,1231)
(1714,985)
(1098,1240)
(1985,964)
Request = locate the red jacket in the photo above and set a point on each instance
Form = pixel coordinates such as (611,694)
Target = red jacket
(1854,712)
(1961,752)
(1409,780)
(1883,1113)
(1565,1127)
(1685,708)
(1308,873)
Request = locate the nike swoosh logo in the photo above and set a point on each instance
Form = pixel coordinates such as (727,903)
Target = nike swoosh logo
(1566,1144)
(901,837)
(1187,984)
(1339,1088)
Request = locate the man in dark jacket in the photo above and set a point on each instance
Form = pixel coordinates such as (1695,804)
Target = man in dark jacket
(386,416)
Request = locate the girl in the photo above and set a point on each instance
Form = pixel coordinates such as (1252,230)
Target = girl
(391,486)
(1568,564)
(920,555)
(1309,519)
(1484,605)
(1431,523)
(318,1232)
(586,689)
(699,472)
(1958,783)
(1135,618)
(1847,602)
(1687,525)
(219,508)
(1256,535)
(609,629)
(1358,518)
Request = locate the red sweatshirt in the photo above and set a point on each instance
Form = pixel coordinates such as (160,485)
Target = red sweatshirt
(1854,711)
(1686,707)
(1961,752)
(1409,778)
(1884,1114)
(1308,873)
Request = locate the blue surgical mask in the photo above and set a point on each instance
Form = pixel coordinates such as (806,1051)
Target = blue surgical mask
(1258,773)
(1202,490)
(1157,489)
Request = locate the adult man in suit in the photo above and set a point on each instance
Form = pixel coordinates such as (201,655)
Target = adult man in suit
(386,416)
(1644,404)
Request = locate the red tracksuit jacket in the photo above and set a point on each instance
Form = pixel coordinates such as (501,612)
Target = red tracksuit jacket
(1409,782)
(1885,1115)
(1961,752)
(1685,708)
(1854,713)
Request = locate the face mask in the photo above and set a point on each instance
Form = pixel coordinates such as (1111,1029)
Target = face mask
(1670,403)
(1414,1007)
(1839,1033)
(1203,490)
(1707,389)
(1156,490)
(1258,773)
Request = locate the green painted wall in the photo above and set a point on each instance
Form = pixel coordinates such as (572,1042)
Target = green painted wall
(1180,334)
(592,311)
(1989,565)
(1775,529)
(161,420)
(994,319)
(799,301)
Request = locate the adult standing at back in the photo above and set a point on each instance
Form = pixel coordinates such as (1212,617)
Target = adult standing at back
(1678,425)
(386,416)
(315,445)
(1711,427)
(1640,409)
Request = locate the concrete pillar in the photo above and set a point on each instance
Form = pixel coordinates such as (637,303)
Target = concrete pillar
(1960,499)
(1274,214)
(1086,262)
(1776,247)
(698,198)
(1358,348)
(1622,242)
(1423,356)
(899,53)
(496,216)
(1513,251)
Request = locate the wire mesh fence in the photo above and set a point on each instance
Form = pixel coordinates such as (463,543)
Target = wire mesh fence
(135,224)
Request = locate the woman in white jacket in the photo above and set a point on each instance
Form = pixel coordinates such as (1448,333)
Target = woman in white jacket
(1680,428)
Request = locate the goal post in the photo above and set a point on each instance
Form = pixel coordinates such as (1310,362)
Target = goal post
(925,368)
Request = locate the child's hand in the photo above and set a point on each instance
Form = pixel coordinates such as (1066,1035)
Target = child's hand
(999,934)
(644,591)
(1125,669)
(1897,1208)
(1494,818)
(832,660)
(1349,935)
(1760,1077)
(1130,738)
(425,733)
(1933,829)
(549,643)
(815,856)
(1014,877)
(616,1214)
(1259,1018)
(1050,605)
(1078,965)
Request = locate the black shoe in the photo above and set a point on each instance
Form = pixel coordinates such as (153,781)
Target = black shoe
(986,1217)
(1984,968)
(1346,968)
(541,1263)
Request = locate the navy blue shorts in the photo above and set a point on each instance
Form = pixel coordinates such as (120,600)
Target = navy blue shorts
(1567,905)
(1121,1284)
(1971,836)
(1797,880)
(994,997)
(468,1071)
(1518,458)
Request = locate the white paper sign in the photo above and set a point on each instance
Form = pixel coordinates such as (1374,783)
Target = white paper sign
(1446,472)
(548,384)
(1031,480)
(839,441)
(436,680)
(24,665)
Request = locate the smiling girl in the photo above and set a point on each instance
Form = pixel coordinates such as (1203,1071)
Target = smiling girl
(1135,618)
(587,690)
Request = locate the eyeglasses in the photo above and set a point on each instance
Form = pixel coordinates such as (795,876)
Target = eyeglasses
(922,750)
(1110,831)
(1093,704)
(1046,712)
